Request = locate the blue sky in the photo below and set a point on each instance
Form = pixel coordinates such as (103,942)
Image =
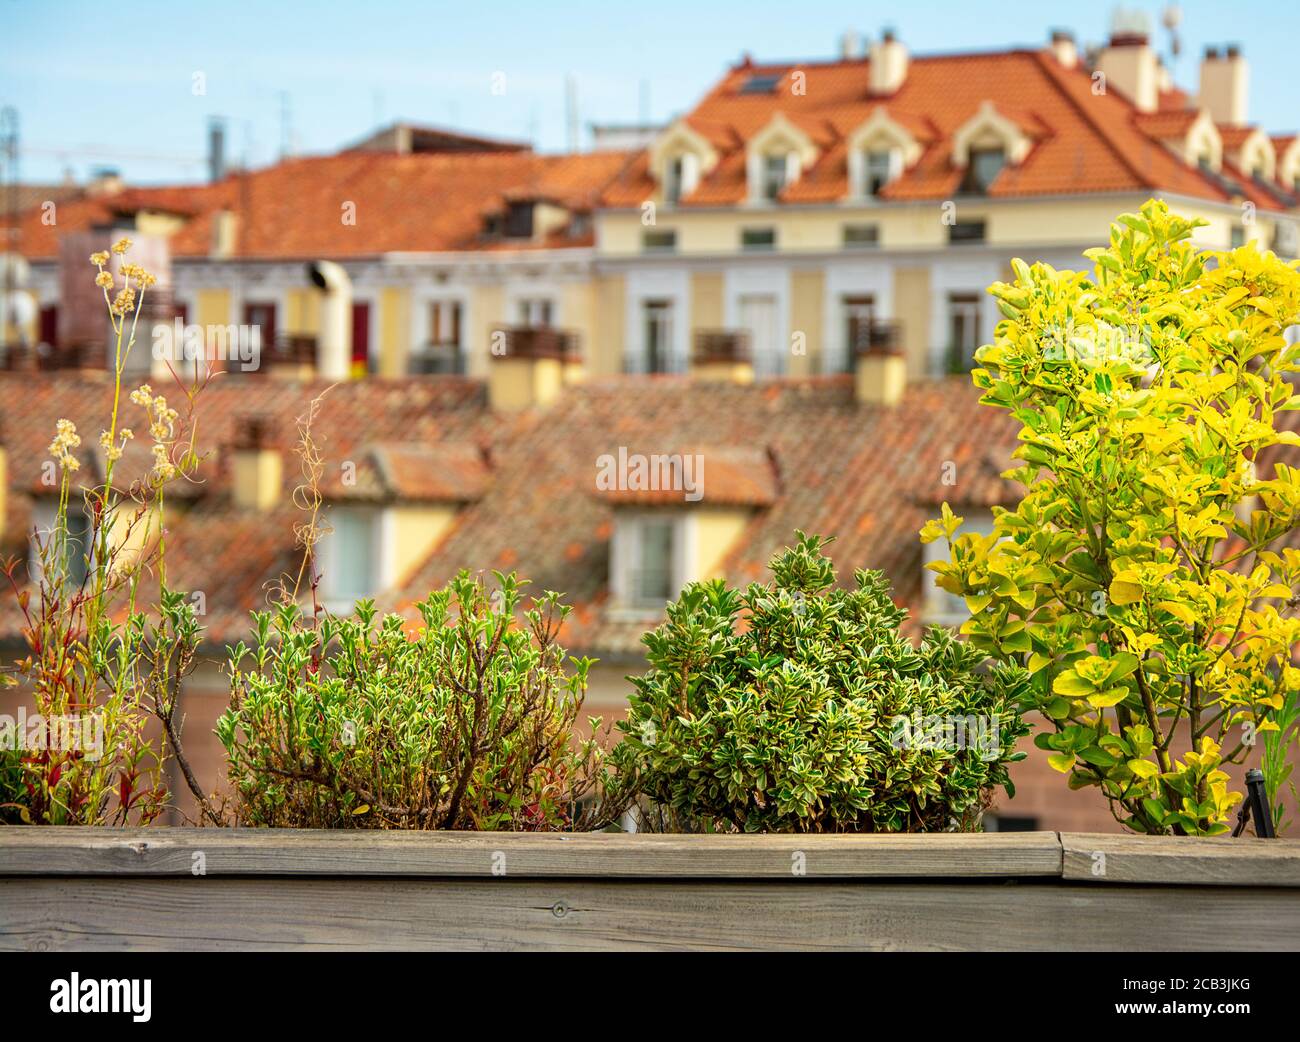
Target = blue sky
(102,84)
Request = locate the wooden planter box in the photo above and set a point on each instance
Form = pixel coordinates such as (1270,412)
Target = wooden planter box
(179,888)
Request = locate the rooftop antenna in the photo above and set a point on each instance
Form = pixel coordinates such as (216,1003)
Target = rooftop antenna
(286,125)
(1172,19)
(9,181)
(571,112)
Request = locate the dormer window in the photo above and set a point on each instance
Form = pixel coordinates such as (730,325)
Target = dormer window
(878,153)
(775,158)
(350,552)
(64,549)
(983,169)
(984,145)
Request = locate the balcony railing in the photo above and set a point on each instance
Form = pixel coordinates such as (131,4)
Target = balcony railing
(535,342)
(288,349)
(875,338)
(721,346)
(44,358)
(434,359)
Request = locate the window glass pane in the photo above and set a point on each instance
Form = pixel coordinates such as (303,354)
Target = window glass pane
(774,168)
(985,165)
(658,336)
(673,180)
(963,330)
(877,170)
(652,581)
(861,236)
(859,315)
(353,556)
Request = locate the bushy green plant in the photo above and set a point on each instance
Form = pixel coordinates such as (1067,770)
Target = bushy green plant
(798,706)
(468,723)
(1139,579)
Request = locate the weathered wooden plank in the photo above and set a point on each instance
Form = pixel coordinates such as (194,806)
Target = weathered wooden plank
(247,913)
(295,852)
(1175,860)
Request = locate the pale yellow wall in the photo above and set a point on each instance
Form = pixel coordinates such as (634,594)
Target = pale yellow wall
(414,532)
(901,227)
(488,308)
(716,532)
(707,305)
(302,311)
(605,354)
(912,312)
(132,531)
(578,314)
(211,307)
(394,330)
(807,290)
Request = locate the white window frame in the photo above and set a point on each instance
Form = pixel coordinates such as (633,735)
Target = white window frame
(342,602)
(625,558)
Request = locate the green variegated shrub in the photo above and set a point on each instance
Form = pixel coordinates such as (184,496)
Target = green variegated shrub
(797,706)
(468,723)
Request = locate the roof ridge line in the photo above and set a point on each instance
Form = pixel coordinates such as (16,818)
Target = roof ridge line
(1097,126)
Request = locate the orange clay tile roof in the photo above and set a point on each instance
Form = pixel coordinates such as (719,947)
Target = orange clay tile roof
(868,475)
(402,471)
(720,476)
(403,203)
(1081,142)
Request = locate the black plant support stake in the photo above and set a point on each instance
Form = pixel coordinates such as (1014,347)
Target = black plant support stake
(1256,806)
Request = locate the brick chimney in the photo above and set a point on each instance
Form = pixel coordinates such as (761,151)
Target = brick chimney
(1225,84)
(888,64)
(722,356)
(529,366)
(1129,64)
(257,471)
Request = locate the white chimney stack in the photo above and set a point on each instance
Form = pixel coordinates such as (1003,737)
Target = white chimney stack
(888,64)
(1064,49)
(1225,83)
(1128,63)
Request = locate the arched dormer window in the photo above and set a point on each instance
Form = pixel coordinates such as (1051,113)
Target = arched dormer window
(878,152)
(1202,145)
(1287,151)
(775,157)
(984,145)
(1255,156)
(679,159)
